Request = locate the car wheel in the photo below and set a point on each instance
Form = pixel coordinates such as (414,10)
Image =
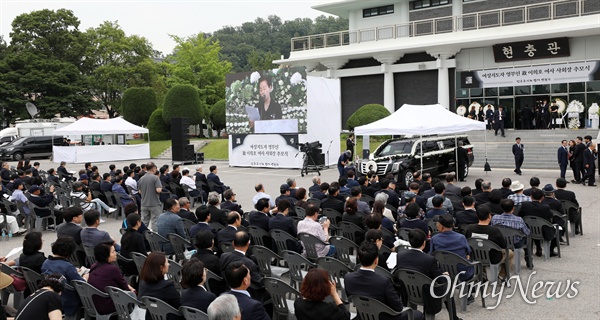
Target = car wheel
(466,170)
(18,156)
(406,178)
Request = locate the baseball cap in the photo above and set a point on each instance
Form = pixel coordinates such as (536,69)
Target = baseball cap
(33,189)
(284,188)
(84,177)
(549,188)
(409,195)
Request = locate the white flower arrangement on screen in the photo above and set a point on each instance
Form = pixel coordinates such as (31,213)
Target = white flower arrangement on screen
(461,110)
(575,106)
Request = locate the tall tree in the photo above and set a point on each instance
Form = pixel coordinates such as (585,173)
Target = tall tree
(115,62)
(196,61)
(43,65)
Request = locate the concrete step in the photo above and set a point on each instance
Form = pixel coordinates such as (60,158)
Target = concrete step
(198,144)
(540,147)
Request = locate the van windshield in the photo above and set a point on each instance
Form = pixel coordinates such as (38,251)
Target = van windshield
(395,147)
(18,141)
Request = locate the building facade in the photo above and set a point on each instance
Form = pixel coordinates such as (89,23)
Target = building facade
(453,52)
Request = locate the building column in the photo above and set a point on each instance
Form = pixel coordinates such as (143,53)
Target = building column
(457,12)
(387,60)
(441,56)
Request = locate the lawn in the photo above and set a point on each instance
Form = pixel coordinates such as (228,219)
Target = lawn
(156,147)
(216,150)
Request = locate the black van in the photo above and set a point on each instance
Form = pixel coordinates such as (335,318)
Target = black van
(30,147)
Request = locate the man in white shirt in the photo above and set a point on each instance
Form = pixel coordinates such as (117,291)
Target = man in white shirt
(260,193)
(189,183)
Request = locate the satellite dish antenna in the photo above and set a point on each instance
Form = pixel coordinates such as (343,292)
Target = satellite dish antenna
(32,109)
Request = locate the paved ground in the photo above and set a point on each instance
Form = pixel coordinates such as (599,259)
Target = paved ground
(580,261)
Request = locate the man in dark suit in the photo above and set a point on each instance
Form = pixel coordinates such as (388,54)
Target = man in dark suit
(316,180)
(238,277)
(517,150)
(489,116)
(63,170)
(589,163)
(227,234)
(261,217)
(241,243)
(526,115)
(202,177)
(537,209)
(365,282)
(322,192)
(106,184)
(469,214)
(203,215)
(217,215)
(284,193)
(505,190)
(72,225)
(580,147)
(230,202)
(204,243)
(219,186)
(365,188)
(184,211)
(499,118)
(332,202)
(388,187)
(544,115)
(563,158)
(417,260)
(561,194)
(282,222)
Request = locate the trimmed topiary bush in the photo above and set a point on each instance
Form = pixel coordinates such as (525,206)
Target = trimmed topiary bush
(217,116)
(182,101)
(159,130)
(138,104)
(366,114)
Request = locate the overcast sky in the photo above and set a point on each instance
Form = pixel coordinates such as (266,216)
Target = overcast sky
(155,20)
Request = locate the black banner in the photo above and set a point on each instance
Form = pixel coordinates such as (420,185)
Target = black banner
(535,49)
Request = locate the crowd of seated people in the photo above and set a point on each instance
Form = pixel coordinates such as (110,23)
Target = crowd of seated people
(439,217)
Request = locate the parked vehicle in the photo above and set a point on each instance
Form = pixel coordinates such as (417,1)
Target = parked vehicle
(30,147)
(402,157)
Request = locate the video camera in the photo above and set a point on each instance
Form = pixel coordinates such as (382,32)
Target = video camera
(310,146)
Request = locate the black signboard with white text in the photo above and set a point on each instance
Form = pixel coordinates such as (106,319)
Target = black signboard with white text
(535,49)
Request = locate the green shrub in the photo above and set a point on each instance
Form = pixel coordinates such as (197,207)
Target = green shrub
(367,114)
(159,130)
(182,101)
(138,104)
(217,116)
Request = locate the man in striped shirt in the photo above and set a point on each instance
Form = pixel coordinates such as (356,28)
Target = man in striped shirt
(509,220)
(517,197)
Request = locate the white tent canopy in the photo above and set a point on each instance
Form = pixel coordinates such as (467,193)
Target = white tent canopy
(85,126)
(104,152)
(420,120)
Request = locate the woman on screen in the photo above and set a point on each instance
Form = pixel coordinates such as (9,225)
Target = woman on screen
(268,108)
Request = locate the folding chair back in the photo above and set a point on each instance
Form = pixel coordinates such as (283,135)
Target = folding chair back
(310,243)
(86,292)
(283,296)
(258,235)
(265,258)
(190,313)
(180,245)
(155,240)
(334,217)
(345,250)
(32,278)
(124,302)
(282,239)
(300,212)
(350,231)
(139,260)
(299,266)
(158,309)
(371,309)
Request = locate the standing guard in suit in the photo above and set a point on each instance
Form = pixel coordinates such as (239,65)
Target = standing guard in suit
(489,116)
(563,158)
(589,163)
(517,151)
(544,115)
(526,118)
(499,118)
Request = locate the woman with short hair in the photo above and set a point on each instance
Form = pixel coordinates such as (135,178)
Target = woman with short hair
(105,273)
(45,303)
(315,287)
(193,276)
(58,262)
(32,256)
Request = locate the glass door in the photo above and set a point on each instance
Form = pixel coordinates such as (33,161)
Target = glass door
(508,104)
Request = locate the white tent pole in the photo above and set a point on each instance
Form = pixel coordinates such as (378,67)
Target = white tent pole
(456,157)
(421,146)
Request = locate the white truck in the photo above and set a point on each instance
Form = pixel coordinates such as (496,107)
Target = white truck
(35,128)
